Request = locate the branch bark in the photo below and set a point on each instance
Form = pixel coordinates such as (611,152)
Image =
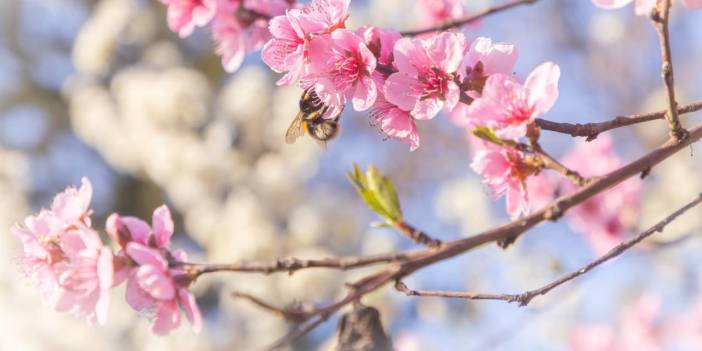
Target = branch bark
(468,19)
(525,298)
(592,130)
(660,20)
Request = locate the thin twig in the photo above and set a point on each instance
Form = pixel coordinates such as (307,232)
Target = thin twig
(468,19)
(417,235)
(292,264)
(298,332)
(551,163)
(592,130)
(524,298)
(660,20)
(295,314)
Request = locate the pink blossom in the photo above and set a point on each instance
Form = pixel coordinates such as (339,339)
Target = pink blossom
(686,329)
(427,68)
(237,32)
(395,122)
(65,258)
(154,285)
(184,15)
(604,218)
(433,12)
(381,43)
(288,50)
(504,171)
(509,107)
(123,230)
(341,66)
(73,205)
(40,237)
(85,275)
(597,337)
(485,58)
(692,4)
(637,330)
(331,13)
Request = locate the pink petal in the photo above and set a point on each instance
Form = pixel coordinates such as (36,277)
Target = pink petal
(167,317)
(446,50)
(644,7)
(496,58)
(398,90)
(105,270)
(146,256)
(162,226)
(610,4)
(408,55)
(192,311)
(427,108)
(517,202)
(276,54)
(138,229)
(155,282)
(490,164)
(281,28)
(365,94)
(398,124)
(321,54)
(136,297)
(542,87)
(102,306)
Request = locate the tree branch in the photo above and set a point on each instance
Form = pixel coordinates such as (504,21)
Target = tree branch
(524,298)
(660,21)
(592,130)
(468,19)
(292,264)
(503,235)
(417,235)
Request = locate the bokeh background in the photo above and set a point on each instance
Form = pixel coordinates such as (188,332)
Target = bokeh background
(103,89)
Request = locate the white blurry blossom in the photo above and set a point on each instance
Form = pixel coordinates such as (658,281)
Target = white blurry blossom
(95,46)
(606,28)
(464,201)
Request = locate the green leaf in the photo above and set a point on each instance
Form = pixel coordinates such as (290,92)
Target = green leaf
(378,192)
(488,134)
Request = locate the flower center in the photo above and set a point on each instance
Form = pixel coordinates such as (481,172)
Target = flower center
(434,83)
(348,69)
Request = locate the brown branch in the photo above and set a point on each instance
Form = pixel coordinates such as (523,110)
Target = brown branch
(592,130)
(553,164)
(294,313)
(503,235)
(660,20)
(524,298)
(292,264)
(417,235)
(468,19)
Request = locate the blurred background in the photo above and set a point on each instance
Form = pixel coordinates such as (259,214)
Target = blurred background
(103,89)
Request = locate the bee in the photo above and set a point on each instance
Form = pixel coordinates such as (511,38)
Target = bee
(311,120)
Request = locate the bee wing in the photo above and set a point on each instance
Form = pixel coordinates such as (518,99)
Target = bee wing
(296,129)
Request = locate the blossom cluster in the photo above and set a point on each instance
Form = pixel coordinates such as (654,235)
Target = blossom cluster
(643,7)
(75,271)
(641,327)
(238,26)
